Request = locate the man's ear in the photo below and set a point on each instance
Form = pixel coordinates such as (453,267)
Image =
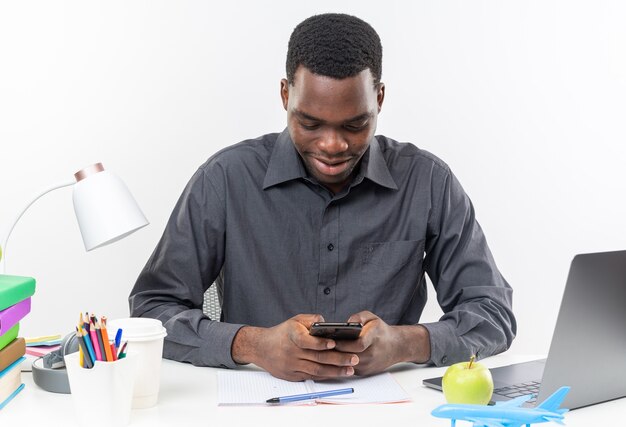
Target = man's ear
(380,95)
(284,92)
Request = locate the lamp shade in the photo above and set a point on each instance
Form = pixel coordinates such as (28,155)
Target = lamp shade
(105,209)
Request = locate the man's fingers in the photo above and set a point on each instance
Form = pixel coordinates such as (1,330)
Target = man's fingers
(371,325)
(290,352)
(362,317)
(335,358)
(354,346)
(304,340)
(307,320)
(301,337)
(320,365)
(320,371)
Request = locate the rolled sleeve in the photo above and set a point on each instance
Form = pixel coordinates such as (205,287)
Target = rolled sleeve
(475,298)
(206,343)
(443,341)
(186,261)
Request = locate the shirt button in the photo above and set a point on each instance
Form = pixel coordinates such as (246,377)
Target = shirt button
(330,247)
(326,291)
(444,360)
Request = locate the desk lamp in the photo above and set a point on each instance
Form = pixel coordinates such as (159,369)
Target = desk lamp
(106,212)
(105,209)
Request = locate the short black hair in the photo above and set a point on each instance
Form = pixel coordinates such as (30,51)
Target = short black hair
(334,45)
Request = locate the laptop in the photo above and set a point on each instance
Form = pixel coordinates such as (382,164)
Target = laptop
(588,348)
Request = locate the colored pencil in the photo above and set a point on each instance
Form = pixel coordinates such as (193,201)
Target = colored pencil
(113,352)
(94,340)
(86,359)
(91,320)
(90,354)
(101,341)
(88,345)
(81,355)
(105,339)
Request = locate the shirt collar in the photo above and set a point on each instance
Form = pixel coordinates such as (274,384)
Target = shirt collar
(375,166)
(285,164)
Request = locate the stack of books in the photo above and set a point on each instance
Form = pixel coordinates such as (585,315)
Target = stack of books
(15,293)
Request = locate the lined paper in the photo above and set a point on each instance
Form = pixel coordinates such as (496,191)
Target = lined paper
(381,388)
(254,388)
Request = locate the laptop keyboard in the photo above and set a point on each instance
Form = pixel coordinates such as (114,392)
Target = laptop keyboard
(521,389)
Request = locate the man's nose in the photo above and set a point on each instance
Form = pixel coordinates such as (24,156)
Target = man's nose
(333,143)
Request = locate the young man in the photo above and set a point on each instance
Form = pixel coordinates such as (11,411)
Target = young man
(325,221)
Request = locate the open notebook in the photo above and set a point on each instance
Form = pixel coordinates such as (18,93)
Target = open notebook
(254,388)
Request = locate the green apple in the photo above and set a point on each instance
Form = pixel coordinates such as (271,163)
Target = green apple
(468,382)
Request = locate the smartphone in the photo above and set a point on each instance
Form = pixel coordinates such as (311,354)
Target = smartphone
(336,331)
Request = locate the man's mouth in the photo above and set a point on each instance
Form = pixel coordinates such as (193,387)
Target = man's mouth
(330,167)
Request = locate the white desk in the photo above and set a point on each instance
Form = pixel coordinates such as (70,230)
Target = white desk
(189,397)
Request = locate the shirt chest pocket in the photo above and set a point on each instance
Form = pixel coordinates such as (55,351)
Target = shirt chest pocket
(390,274)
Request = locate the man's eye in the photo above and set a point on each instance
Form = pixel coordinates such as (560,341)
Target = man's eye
(356,127)
(309,126)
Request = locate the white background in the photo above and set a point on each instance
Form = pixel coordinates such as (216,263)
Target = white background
(524,100)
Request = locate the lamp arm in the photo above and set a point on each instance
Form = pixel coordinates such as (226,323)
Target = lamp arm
(5,239)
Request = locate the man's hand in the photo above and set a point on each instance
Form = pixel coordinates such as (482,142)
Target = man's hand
(287,351)
(380,345)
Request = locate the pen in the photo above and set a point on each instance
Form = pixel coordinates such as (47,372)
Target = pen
(122,351)
(118,338)
(309,396)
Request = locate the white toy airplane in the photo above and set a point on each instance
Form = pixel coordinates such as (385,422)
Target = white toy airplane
(506,414)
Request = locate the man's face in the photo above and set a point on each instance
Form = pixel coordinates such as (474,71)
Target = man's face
(331,122)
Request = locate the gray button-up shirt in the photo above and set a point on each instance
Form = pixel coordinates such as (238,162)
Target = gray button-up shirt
(278,244)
